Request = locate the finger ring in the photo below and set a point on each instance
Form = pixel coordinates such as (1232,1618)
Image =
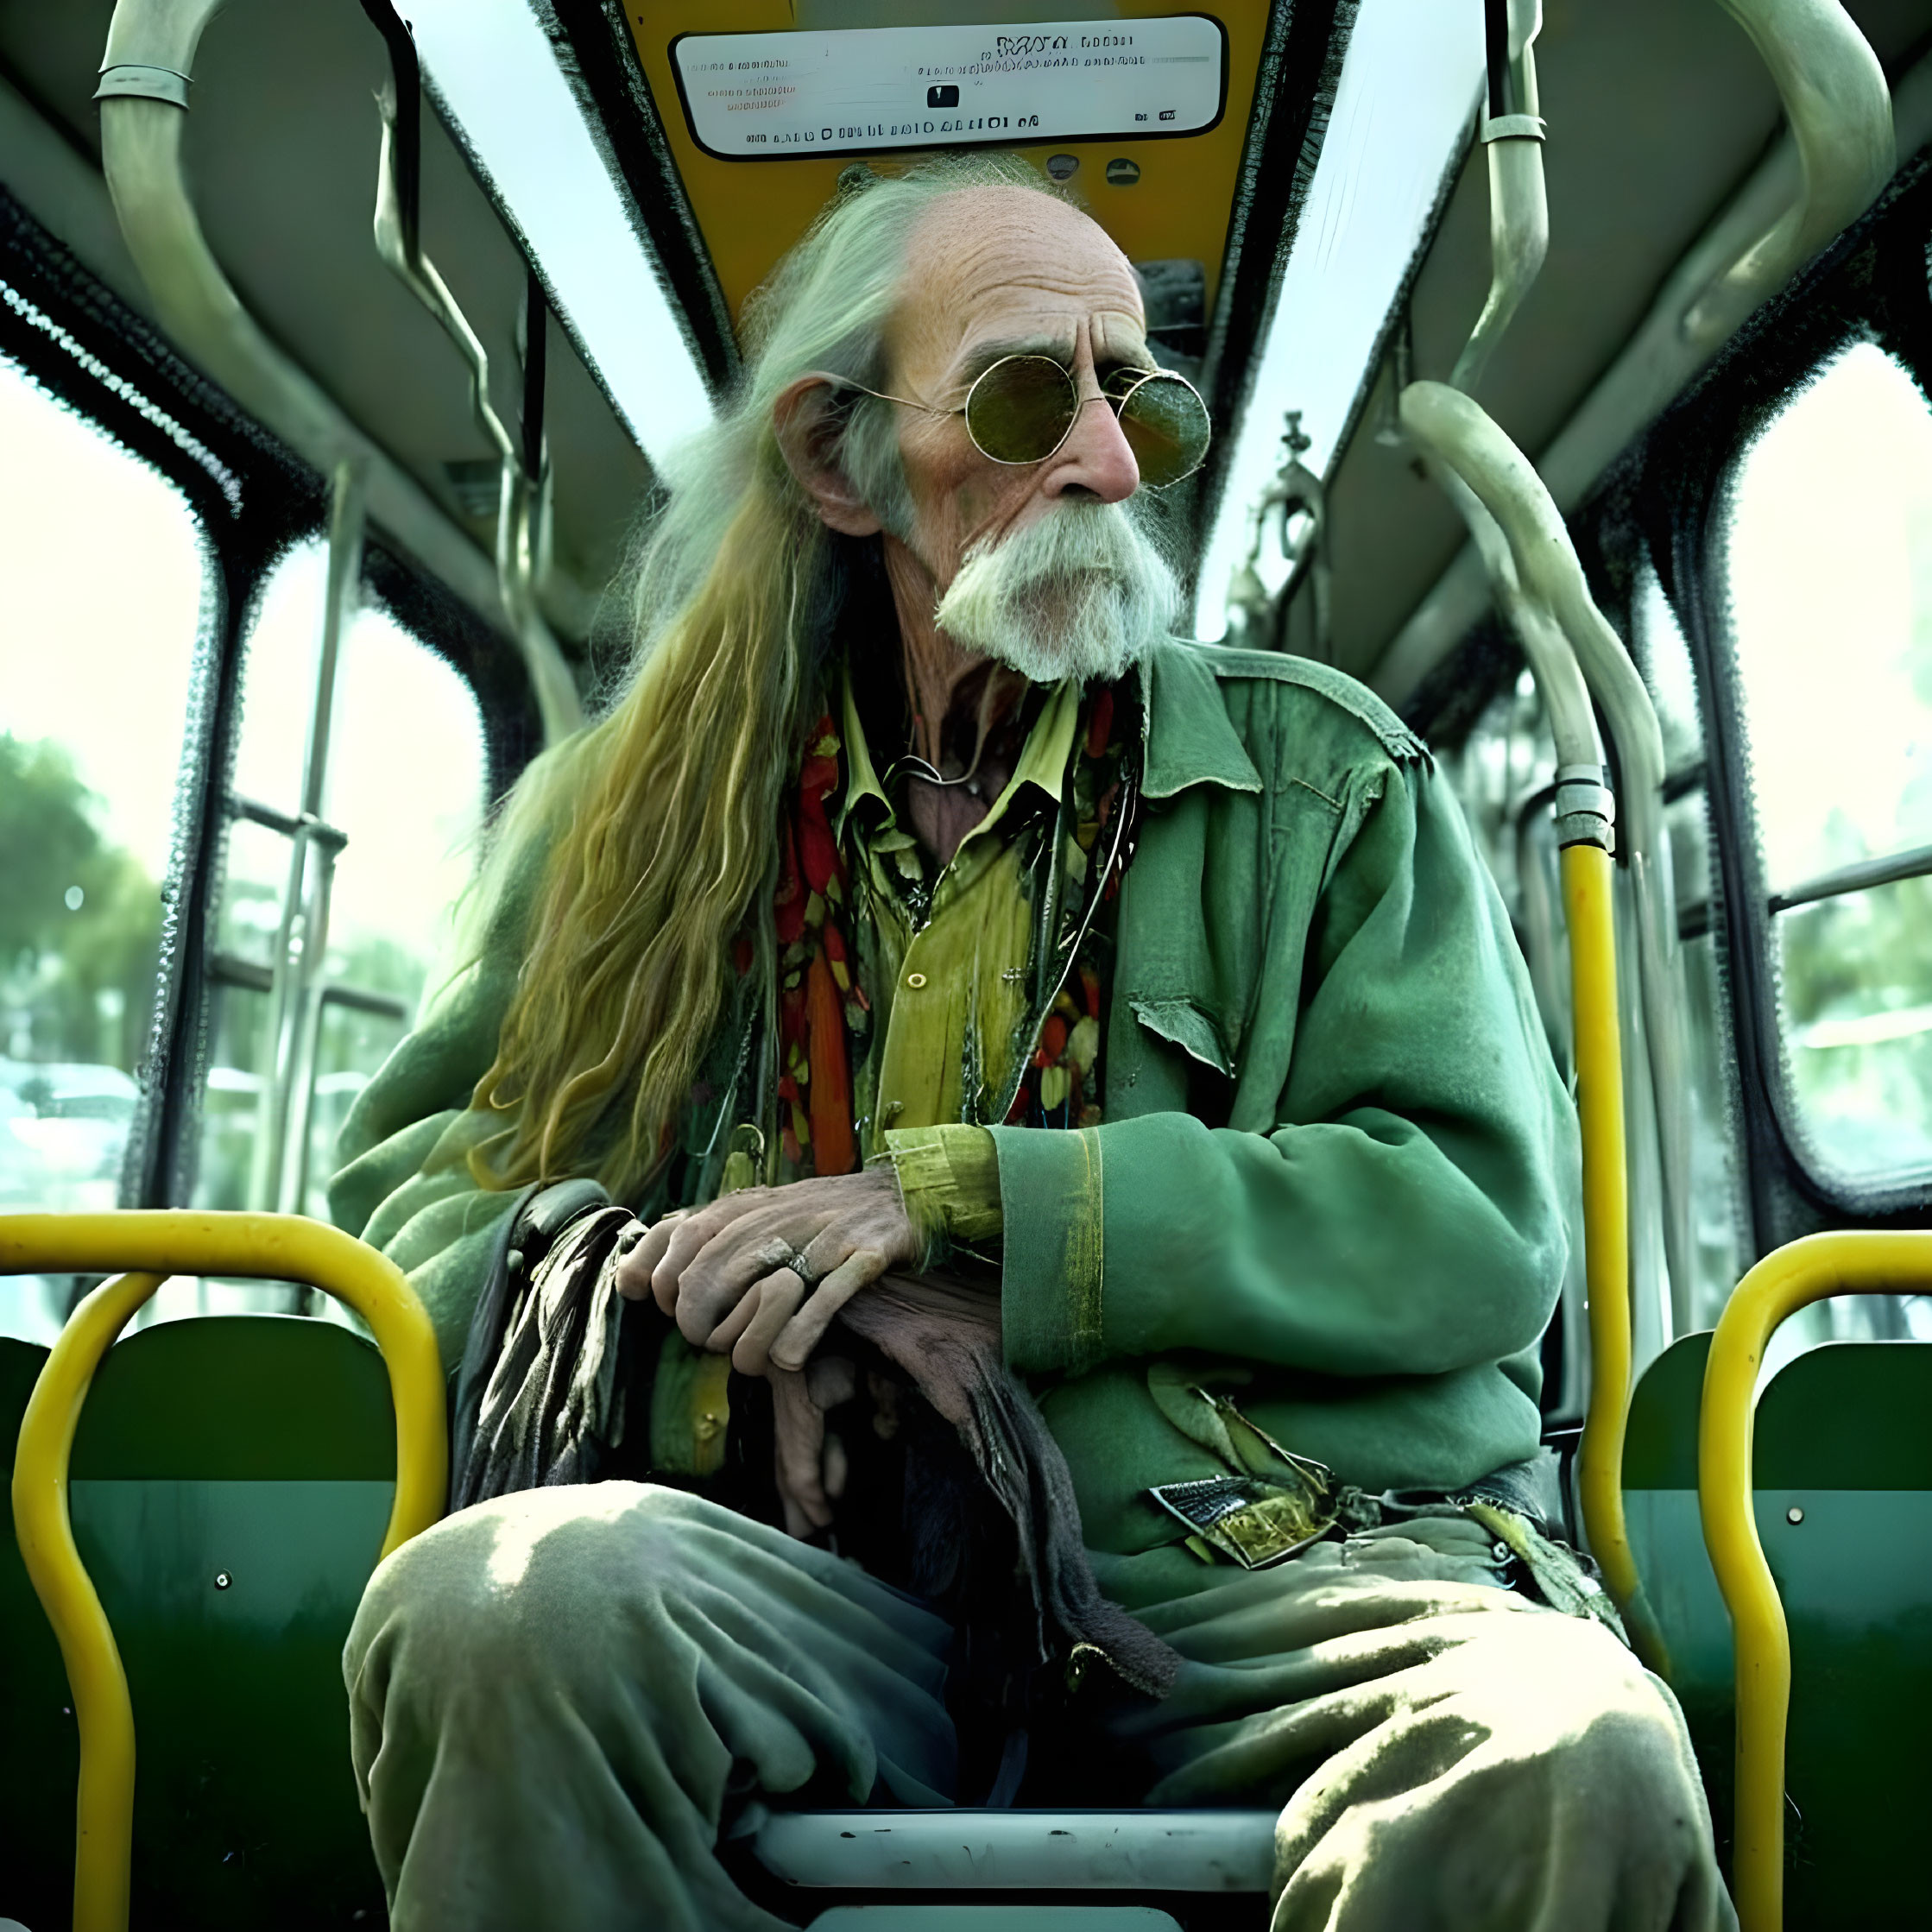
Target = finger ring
(782,1254)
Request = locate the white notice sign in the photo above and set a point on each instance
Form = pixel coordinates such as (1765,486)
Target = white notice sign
(762,97)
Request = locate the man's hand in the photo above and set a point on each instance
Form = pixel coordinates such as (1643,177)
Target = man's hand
(723,1273)
(809,1464)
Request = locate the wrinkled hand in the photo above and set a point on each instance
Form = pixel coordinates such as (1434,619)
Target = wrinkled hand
(810,1464)
(720,1272)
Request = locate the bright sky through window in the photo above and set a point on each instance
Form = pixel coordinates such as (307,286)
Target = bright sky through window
(1409,83)
(95,657)
(99,661)
(1830,583)
(406,773)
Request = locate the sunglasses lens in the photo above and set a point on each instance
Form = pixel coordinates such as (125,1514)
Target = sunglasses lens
(1166,426)
(1020,410)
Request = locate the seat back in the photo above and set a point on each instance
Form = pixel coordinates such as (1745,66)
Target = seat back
(1842,1442)
(40,1749)
(231,1482)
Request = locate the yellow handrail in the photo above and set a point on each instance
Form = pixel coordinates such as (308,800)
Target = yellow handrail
(278,1248)
(1860,1263)
(1590,915)
(1588,911)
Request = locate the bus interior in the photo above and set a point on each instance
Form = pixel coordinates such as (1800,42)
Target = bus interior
(1571,371)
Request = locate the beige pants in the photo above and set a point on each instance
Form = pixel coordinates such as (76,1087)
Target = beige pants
(557,1699)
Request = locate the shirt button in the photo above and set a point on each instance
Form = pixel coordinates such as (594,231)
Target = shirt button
(915,981)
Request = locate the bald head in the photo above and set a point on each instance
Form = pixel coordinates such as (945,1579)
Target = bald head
(989,266)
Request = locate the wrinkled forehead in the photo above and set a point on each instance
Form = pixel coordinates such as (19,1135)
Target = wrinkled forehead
(1000,266)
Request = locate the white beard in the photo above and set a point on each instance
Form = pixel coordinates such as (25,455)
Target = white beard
(1082,594)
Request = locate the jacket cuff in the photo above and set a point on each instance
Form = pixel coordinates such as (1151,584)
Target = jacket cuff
(948,1177)
(1049,1291)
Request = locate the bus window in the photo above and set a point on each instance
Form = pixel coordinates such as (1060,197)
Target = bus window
(1716,1204)
(1664,657)
(403,802)
(1829,568)
(409,786)
(101,584)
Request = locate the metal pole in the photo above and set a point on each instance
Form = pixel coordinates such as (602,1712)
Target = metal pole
(303,931)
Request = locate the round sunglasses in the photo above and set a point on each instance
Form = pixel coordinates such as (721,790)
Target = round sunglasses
(1022,409)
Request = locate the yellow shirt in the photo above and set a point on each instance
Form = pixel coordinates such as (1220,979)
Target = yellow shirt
(951,976)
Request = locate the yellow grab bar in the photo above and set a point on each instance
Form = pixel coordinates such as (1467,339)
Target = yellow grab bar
(1588,911)
(154,1245)
(103,1808)
(1807,1271)
(1589,914)
(1606,1235)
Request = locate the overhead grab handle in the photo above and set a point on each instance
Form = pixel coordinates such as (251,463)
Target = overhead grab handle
(1513,132)
(1840,109)
(1524,543)
(143,96)
(150,50)
(399,241)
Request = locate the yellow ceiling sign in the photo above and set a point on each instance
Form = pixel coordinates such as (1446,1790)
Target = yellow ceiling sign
(1160,196)
(878,90)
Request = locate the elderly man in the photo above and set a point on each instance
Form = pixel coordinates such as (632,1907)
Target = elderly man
(919,921)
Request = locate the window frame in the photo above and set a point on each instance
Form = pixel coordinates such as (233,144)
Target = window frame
(252,499)
(296,979)
(1670,495)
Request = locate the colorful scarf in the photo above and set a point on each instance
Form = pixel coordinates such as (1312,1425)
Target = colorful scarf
(825,1018)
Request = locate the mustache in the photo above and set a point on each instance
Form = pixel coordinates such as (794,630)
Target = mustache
(1075,539)
(1082,592)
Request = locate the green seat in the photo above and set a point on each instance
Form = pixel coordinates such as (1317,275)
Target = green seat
(1842,1440)
(231,1479)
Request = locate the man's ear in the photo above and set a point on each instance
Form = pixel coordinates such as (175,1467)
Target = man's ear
(808,422)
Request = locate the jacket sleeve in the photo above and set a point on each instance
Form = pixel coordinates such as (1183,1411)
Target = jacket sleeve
(402,1182)
(1403,1217)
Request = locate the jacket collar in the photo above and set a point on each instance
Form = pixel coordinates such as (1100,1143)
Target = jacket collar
(1188,738)
(1044,759)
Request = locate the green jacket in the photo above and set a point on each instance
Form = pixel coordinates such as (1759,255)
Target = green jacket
(1329,1183)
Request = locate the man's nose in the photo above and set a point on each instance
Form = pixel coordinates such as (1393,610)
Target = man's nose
(1095,459)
